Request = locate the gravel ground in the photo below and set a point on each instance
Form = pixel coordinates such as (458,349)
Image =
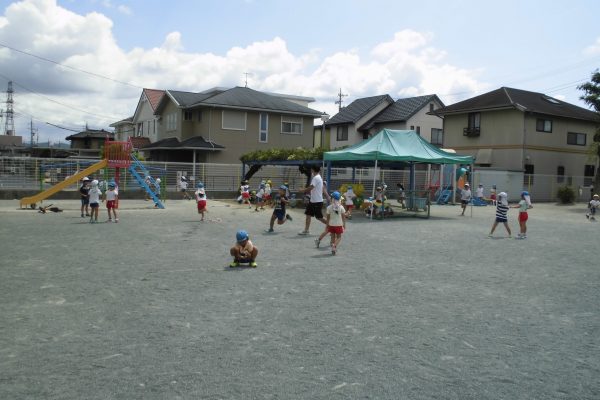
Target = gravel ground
(409,308)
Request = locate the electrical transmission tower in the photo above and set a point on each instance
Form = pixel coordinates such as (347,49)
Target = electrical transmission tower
(339,101)
(9,124)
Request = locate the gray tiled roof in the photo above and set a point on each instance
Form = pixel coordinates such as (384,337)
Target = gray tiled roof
(185,99)
(357,109)
(246,98)
(520,99)
(401,110)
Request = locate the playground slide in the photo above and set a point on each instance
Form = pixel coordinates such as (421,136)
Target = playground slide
(25,201)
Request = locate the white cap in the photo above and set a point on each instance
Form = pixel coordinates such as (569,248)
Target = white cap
(86,178)
(95,182)
(157,180)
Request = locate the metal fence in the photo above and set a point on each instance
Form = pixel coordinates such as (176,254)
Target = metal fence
(26,173)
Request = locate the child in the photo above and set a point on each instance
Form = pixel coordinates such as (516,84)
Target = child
(148,181)
(245,192)
(183,185)
(501,214)
(350,196)
(112,197)
(336,221)
(279,204)
(95,194)
(593,206)
(243,251)
(379,200)
(267,195)
(85,197)
(260,196)
(479,192)
(523,205)
(200,199)
(465,197)
(401,195)
(493,195)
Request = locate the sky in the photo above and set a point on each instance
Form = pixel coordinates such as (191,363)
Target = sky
(85,62)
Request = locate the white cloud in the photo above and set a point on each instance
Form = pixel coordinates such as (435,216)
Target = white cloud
(405,65)
(123,9)
(593,49)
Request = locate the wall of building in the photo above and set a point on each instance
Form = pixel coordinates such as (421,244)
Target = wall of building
(145,116)
(162,132)
(425,122)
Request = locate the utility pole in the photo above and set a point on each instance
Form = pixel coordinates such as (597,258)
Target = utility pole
(339,101)
(9,125)
(33,132)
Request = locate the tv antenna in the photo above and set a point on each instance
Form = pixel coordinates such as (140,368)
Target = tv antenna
(246,78)
(340,97)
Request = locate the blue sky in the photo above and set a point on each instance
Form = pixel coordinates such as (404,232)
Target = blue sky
(456,49)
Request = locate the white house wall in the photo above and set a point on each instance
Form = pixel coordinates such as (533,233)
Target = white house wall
(425,121)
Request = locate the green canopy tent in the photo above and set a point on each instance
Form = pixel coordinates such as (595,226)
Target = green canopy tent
(390,147)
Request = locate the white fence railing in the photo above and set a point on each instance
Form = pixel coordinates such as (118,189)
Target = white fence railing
(25,173)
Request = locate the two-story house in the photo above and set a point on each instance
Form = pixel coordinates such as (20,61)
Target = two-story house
(222,124)
(90,142)
(366,116)
(517,130)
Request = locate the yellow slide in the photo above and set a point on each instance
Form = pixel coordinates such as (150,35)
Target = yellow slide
(25,201)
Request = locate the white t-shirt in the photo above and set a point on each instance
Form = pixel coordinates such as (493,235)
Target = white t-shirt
(465,194)
(183,185)
(349,195)
(479,192)
(111,195)
(94,195)
(335,219)
(594,203)
(200,194)
(260,194)
(316,194)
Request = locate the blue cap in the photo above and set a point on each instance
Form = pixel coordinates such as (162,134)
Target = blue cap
(112,184)
(241,236)
(525,193)
(283,187)
(200,185)
(336,195)
(349,186)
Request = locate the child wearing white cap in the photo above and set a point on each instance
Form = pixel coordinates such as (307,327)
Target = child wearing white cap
(593,206)
(465,197)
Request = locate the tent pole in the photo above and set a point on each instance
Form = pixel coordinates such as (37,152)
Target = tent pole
(412,184)
(453,184)
(441,180)
(373,191)
(329,176)
(353,175)
(472,184)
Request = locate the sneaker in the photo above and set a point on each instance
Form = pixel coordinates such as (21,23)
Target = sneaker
(116,220)
(270,230)
(333,249)
(82,215)
(87,215)
(586,215)
(317,243)
(253,264)
(490,235)
(109,220)
(288,217)
(256,209)
(303,233)
(234,264)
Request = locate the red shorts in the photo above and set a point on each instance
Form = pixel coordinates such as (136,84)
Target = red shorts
(111,204)
(493,196)
(245,195)
(201,205)
(336,229)
(349,207)
(267,197)
(523,217)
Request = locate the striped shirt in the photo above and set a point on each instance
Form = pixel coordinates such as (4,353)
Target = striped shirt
(501,211)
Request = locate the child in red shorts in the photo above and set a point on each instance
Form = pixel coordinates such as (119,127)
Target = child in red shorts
(200,199)
(112,198)
(349,196)
(336,220)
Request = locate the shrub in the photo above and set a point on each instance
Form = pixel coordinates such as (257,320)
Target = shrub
(566,194)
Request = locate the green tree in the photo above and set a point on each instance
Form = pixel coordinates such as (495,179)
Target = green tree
(591,97)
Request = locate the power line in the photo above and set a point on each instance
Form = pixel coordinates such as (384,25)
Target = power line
(69,67)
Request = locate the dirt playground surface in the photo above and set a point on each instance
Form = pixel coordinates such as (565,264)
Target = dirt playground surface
(409,308)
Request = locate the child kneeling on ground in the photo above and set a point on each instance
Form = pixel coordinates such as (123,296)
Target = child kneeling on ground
(243,251)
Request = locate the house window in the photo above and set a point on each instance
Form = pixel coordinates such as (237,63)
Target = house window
(188,115)
(263,128)
(473,125)
(419,130)
(139,130)
(412,127)
(528,177)
(291,125)
(437,136)
(430,107)
(560,174)
(199,115)
(233,120)
(588,175)
(543,125)
(342,133)
(576,138)
(171,122)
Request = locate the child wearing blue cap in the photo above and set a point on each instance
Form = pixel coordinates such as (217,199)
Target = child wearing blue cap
(279,203)
(336,220)
(243,251)
(200,195)
(112,198)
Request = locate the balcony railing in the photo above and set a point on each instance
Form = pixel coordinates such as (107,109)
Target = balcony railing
(471,131)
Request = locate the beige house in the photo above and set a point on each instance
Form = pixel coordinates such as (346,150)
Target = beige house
(366,116)
(517,130)
(219,125)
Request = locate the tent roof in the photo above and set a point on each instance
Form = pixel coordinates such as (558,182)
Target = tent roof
(396,146)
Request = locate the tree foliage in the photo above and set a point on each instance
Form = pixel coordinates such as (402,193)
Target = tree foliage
(299,153)
(592,91)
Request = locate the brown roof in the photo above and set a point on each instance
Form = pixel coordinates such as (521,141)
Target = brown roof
(153,96)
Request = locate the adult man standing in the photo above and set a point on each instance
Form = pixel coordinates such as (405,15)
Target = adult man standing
(314,208)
